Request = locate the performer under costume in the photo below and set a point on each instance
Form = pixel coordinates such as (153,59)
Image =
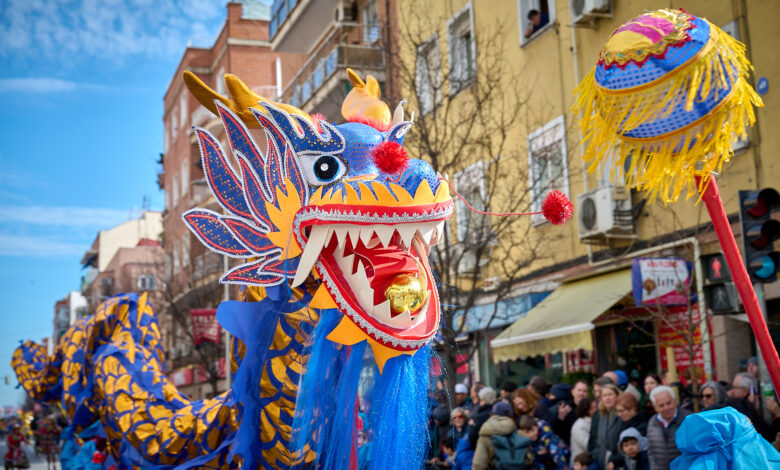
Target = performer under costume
(334,223)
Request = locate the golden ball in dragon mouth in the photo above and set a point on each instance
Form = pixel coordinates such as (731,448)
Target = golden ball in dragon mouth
(405,292)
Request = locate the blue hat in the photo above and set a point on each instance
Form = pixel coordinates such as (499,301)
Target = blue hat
(502,408)
(622,377)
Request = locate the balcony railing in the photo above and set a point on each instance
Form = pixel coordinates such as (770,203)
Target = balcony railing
(348,45)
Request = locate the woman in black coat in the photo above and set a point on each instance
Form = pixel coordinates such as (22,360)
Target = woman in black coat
(627,409)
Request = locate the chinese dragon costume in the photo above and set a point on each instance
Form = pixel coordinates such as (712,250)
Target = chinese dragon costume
(334,225)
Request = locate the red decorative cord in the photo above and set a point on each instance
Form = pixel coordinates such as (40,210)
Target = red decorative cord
(556,207)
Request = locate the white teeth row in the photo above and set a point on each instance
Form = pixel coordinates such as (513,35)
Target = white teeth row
(320,236)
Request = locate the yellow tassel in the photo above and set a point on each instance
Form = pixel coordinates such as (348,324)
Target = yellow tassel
(655,165)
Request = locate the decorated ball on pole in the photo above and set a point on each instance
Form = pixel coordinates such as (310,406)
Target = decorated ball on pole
(662,108)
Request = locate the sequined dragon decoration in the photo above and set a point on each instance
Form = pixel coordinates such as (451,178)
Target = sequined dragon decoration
(333,225)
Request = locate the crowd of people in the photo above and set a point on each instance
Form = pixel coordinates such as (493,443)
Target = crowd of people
(612,424)
(42,433)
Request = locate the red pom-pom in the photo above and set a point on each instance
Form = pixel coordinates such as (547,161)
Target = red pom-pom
(557,208)
(390,157)
(98,457)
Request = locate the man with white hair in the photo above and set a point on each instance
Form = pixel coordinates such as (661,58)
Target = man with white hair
(661,430)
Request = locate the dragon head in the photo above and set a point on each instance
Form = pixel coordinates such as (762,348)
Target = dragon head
(335,209)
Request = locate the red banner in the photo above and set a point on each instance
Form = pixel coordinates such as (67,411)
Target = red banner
(674,332)
(204,325)
(182,377)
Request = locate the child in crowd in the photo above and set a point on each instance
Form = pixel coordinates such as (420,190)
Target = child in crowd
(549,451)
(584,461)
(633,452)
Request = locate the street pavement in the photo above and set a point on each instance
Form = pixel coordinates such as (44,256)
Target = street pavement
(36,462)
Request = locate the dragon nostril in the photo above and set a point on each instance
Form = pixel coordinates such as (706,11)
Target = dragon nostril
(390,157)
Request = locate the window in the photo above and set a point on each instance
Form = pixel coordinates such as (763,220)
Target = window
(547,168)
(175,191)
(535,17)
(185,250)
(174,125)
(370,22)
(220,79)
(470,183)
(185,177)
(166,139)
(183,109)
(427,79)
(176,259)
(146,282)
(461,49)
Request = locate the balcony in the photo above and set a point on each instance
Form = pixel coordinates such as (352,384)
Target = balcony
(321,84)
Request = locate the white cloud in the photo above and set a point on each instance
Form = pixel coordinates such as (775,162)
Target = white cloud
(99,218)
(31,246)
(109,29)
(36,85)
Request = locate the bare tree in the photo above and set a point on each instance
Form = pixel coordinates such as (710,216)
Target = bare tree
(195,286)
(471,126)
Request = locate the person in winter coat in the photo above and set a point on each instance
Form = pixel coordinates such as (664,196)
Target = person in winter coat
(662,427)
(651,381)
(580,430)
(561,414)
(549,451)
(584,461)
(627,409)
(487,397)
(462,456)
(499,423)
(459,428)
(607,426)
(633,452)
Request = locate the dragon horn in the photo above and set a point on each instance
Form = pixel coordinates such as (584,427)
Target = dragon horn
(363,101)
(242,98)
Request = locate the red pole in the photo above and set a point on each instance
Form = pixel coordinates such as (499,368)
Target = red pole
(720,222)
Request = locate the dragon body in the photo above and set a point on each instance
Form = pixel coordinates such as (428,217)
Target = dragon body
(333,226)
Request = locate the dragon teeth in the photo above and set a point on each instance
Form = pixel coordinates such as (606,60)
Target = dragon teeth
(385,233)
(365,293)
(317,238)
(407,233)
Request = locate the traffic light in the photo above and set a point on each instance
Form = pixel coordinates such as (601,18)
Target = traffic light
(719,290)
(759,214)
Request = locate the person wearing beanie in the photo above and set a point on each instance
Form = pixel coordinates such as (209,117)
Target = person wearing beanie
(500,423)
(487,397)
(621,380)
(561,414)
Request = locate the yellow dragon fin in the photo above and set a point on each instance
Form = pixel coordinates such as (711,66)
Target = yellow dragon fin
(241,98)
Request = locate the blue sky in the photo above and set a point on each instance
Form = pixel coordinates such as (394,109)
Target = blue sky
(81,87)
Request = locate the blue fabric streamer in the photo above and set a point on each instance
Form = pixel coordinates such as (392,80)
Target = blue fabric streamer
(399,403)
(722,439)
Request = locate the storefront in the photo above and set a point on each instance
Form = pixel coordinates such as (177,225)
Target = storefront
(559,335)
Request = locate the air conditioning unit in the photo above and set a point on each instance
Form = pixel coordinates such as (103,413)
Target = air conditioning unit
(605,212)
(585,11)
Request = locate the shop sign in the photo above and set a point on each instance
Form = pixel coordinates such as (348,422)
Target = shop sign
(674,330)
(204,325)
(660,281)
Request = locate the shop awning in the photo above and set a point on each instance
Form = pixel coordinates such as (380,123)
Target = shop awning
(562,321)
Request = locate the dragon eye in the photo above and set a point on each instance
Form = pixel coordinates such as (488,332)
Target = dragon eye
(322,169)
